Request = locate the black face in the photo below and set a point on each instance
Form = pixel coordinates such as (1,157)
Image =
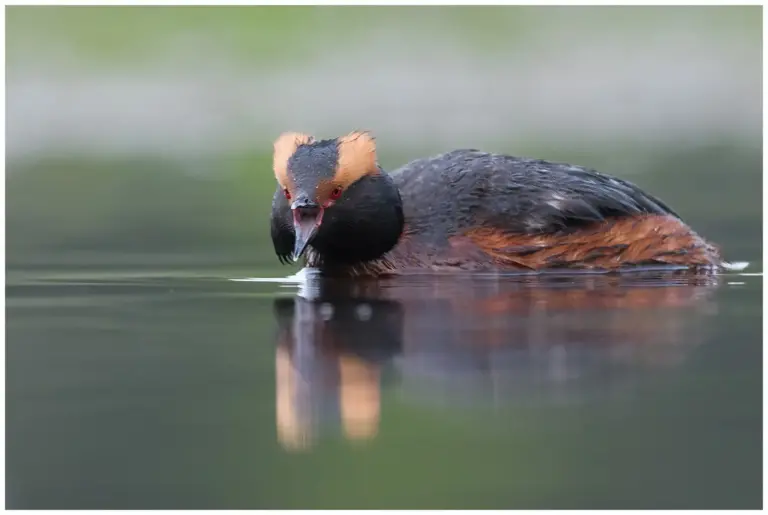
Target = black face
(341,225)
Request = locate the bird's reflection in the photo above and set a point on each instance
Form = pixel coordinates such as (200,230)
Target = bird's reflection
(473,342)
(335,345)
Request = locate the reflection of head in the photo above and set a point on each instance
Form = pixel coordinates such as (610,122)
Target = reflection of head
(344,340)
(293,426)
(359,392)
(368,328)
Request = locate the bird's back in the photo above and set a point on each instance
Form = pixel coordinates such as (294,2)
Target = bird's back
(463,189)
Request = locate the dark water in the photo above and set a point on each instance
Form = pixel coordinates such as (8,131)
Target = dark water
(196,391)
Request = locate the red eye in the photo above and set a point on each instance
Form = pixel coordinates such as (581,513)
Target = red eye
(287,193)
(336,193)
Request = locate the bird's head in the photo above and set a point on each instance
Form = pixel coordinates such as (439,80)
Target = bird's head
(333,197)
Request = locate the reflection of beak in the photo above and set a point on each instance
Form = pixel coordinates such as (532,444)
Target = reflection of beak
(307,217)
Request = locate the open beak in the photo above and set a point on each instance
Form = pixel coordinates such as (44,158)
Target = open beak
(307,217)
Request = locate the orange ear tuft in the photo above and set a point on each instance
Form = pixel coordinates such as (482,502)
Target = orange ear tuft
(285,147)
(357,157)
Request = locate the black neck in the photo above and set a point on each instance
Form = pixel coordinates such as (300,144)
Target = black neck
(363,226)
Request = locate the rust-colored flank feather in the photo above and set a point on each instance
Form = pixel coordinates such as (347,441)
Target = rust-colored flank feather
(285,146)
(635,240)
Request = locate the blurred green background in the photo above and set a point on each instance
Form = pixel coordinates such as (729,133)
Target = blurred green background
(141,136)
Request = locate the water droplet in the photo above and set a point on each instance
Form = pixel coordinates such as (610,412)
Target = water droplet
(326,311)
(363,312)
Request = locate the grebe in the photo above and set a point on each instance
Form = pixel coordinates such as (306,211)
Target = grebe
(465,210)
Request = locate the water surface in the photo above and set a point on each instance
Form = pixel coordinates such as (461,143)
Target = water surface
(196,391)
